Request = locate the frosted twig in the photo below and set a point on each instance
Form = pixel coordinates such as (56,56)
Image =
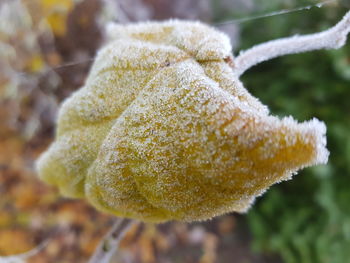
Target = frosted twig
(333,38)
(109,243)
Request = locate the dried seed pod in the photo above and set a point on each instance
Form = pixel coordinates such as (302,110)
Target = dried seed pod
(163,129)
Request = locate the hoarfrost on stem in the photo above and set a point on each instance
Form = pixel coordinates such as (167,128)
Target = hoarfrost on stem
(332,38)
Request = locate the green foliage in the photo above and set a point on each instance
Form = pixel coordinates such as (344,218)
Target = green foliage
(306,220)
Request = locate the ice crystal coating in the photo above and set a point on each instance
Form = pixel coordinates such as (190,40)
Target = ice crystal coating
(163,129)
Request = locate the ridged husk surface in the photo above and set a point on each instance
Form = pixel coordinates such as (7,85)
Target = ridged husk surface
(163,130)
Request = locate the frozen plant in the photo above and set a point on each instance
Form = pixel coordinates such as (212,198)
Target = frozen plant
(163,129)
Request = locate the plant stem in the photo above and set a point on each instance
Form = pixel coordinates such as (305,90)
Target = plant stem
(109,244)
(333,38)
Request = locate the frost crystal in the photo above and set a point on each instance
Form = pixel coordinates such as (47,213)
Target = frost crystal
(163,129)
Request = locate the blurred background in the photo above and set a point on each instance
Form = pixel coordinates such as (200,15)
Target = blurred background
(46,49)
